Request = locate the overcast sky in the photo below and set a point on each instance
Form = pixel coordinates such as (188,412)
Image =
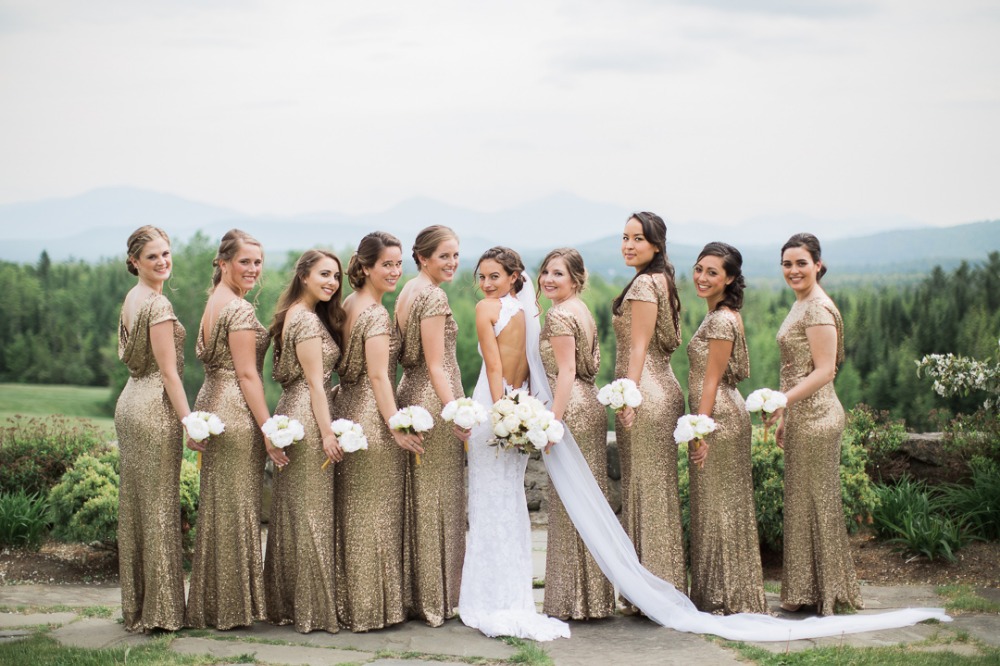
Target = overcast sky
(717,110)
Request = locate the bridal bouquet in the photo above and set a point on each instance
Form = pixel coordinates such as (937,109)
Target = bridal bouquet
(520,421)
(620,394)
(768,401)
(412,420)
(202,425)
(350,435)
(693,427)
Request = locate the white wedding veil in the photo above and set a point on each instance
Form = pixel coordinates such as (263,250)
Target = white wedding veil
(615,555)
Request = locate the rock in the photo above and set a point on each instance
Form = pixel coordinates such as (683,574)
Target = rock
(614,461)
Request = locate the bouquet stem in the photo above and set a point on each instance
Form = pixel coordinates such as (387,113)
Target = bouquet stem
(325,463)
(418,457)
(199,461)
(695,445)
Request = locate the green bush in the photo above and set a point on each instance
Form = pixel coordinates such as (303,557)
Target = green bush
(85,502)
(909,515)
(974,435)
(877,432)
(24,519)
(35,452)
(976,505)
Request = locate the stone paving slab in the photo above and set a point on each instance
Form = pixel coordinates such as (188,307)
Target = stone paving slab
(277,654)
(452,639)
(8,620)
(410,662)
(983,627)
(56,595)
(11,635)
(635,641)
(96,634)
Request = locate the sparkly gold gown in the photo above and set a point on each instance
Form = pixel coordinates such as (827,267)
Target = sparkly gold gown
(150,442)
(574,585)
(651,512)
(434,527)
(227,583)
(299,570)
(369,492)
(725,554)
(817,568)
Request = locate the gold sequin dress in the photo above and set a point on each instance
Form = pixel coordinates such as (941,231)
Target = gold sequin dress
(299,570)
(725,554)
(651,512)
(369,492)
(817,568)
(227,582)
(434,527)
(150,442)
(574,585)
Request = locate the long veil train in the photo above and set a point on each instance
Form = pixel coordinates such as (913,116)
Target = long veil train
(659,600)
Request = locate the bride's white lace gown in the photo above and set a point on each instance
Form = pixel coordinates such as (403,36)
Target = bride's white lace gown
(496,595)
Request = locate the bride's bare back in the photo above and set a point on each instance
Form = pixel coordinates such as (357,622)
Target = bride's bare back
(504,355)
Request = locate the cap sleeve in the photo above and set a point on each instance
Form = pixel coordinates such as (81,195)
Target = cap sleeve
(305,326)
(819,313)
(721,325)
(160,310)
(435,304)
(378,323)
(642,289)
(558,322)
(242,317)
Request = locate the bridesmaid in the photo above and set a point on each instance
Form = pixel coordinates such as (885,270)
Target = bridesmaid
(299,569)
(725,555)
(575,588)
(434,526)
(227,584)
(150,438)
(646,319)
(369,485)
(817,569)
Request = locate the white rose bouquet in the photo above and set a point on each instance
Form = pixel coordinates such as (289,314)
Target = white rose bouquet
(693,428)
(620,394)
(199,426)
(520,421)
(412,420)
(768,401)
(350,435)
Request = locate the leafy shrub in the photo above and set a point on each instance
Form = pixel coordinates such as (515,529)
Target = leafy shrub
(35,452)
(85,502)
(24,519)
(976,505)
(877,432)
(909,515)
(975,435)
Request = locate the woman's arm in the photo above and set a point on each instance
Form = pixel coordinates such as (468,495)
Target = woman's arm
(719,352)
(489,347)
(377,360)
(161,339)
(564,348)
(643,325)
(243,345)
(432,342)
(310,355)
(823,349)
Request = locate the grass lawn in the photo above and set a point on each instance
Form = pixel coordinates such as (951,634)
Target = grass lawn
(87,402)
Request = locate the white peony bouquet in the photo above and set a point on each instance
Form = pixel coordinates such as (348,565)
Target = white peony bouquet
(766,400)
(202,425)
(693,428)
(620,394)
(521,421)
(413,420)
(282,431)
(350,435)
(465,413)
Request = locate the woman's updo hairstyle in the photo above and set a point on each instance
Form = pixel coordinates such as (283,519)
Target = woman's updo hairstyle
(138,240)
(229,246)
(574,266)
(369,250)
(429,239)
(509,260)
(732,263)
(811,245)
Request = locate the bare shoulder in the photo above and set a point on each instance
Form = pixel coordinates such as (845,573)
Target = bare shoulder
(488,307)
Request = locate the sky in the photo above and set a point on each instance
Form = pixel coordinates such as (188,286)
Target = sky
(710,110)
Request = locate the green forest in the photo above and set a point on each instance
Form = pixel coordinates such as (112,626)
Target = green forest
(58,325)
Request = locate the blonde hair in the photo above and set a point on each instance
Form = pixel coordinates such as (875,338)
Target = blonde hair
(138,240)
(429,239)
(230,244)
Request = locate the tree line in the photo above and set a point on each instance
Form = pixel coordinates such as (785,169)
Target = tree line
(58,325)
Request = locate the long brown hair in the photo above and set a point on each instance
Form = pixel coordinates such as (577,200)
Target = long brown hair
(655,231)
(331,312)
(732,263)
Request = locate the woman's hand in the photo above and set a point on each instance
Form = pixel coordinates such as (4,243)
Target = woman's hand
(276,455)
(779,435)
(331,446)
(776,415)
(627,416)
(410,442)
(195,446)
(461,432)
(698,454)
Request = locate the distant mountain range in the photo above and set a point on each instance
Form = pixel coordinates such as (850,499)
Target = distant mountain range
(96,224)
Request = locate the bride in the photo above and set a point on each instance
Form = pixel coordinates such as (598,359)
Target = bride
(496,593)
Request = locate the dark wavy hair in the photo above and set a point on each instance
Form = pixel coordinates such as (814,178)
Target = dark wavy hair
(331,312)
(509,260)
(732,263)
(655,231)
(369,250)
(811,245)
